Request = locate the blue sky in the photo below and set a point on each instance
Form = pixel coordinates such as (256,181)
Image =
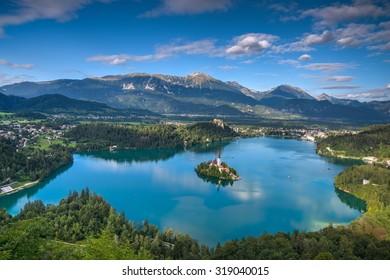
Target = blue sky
(340,48)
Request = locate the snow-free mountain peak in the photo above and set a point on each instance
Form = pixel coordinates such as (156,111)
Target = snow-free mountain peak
(200,75)
(288,91)
(247,91)
(338,101)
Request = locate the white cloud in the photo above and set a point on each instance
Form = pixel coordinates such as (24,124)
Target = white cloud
(339,78)
(247,44)
(386,60)
(382,47)
(251,43)
(286,11)
(307,76)
(305,57)
(326,78)
(162,52)
(371,36)
(32,10)
(374,37)
(15,65)
(199,47)
(305,43)
(340,87)
(121,59)
(291,47)
(327,67)
(248,61)
(7,80)
(188,7)
(291,62)
(315,39)
(380,94)
(278,7)
(338,13)
(388,86)
(227,67)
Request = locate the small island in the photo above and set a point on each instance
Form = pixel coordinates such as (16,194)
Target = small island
(217,169)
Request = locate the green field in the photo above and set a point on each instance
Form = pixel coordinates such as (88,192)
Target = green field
(43,143)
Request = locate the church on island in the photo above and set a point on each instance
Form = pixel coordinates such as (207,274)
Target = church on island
(218,169)
(217,164)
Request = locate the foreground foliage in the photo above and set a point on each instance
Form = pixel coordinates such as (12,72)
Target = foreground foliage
(85,226)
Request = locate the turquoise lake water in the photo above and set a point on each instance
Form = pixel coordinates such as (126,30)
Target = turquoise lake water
(285,185)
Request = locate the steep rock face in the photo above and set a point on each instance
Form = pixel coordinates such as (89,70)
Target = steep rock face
(156,92)
(165,83)
(248,92)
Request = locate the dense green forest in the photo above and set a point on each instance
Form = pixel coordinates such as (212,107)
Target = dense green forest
(29,164)
(85,226)
(372,141)
(375,192)
(97,136)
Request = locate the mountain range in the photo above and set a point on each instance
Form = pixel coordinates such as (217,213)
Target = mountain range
(201,94)
(59,104)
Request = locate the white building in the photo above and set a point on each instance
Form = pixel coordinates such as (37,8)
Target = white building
(366,181)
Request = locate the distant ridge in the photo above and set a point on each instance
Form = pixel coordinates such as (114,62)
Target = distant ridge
(338,101)
(199,94)
(287,91)
(56,103)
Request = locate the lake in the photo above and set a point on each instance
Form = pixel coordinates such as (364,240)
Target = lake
(285,185)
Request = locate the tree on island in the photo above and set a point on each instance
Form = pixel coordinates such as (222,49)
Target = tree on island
(217,169)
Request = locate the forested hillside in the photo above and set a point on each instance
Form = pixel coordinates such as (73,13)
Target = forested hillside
(60,104)
(85,226)
(30,164)
(375,191)
(372,141)
(95,136)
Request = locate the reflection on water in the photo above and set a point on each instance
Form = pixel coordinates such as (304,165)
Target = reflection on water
(215,181)
(284,186)
(343,161)
(18,199)
(351,200)
(137,156)
(210,147)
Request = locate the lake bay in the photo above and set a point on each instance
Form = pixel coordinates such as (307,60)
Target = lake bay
(285,185)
